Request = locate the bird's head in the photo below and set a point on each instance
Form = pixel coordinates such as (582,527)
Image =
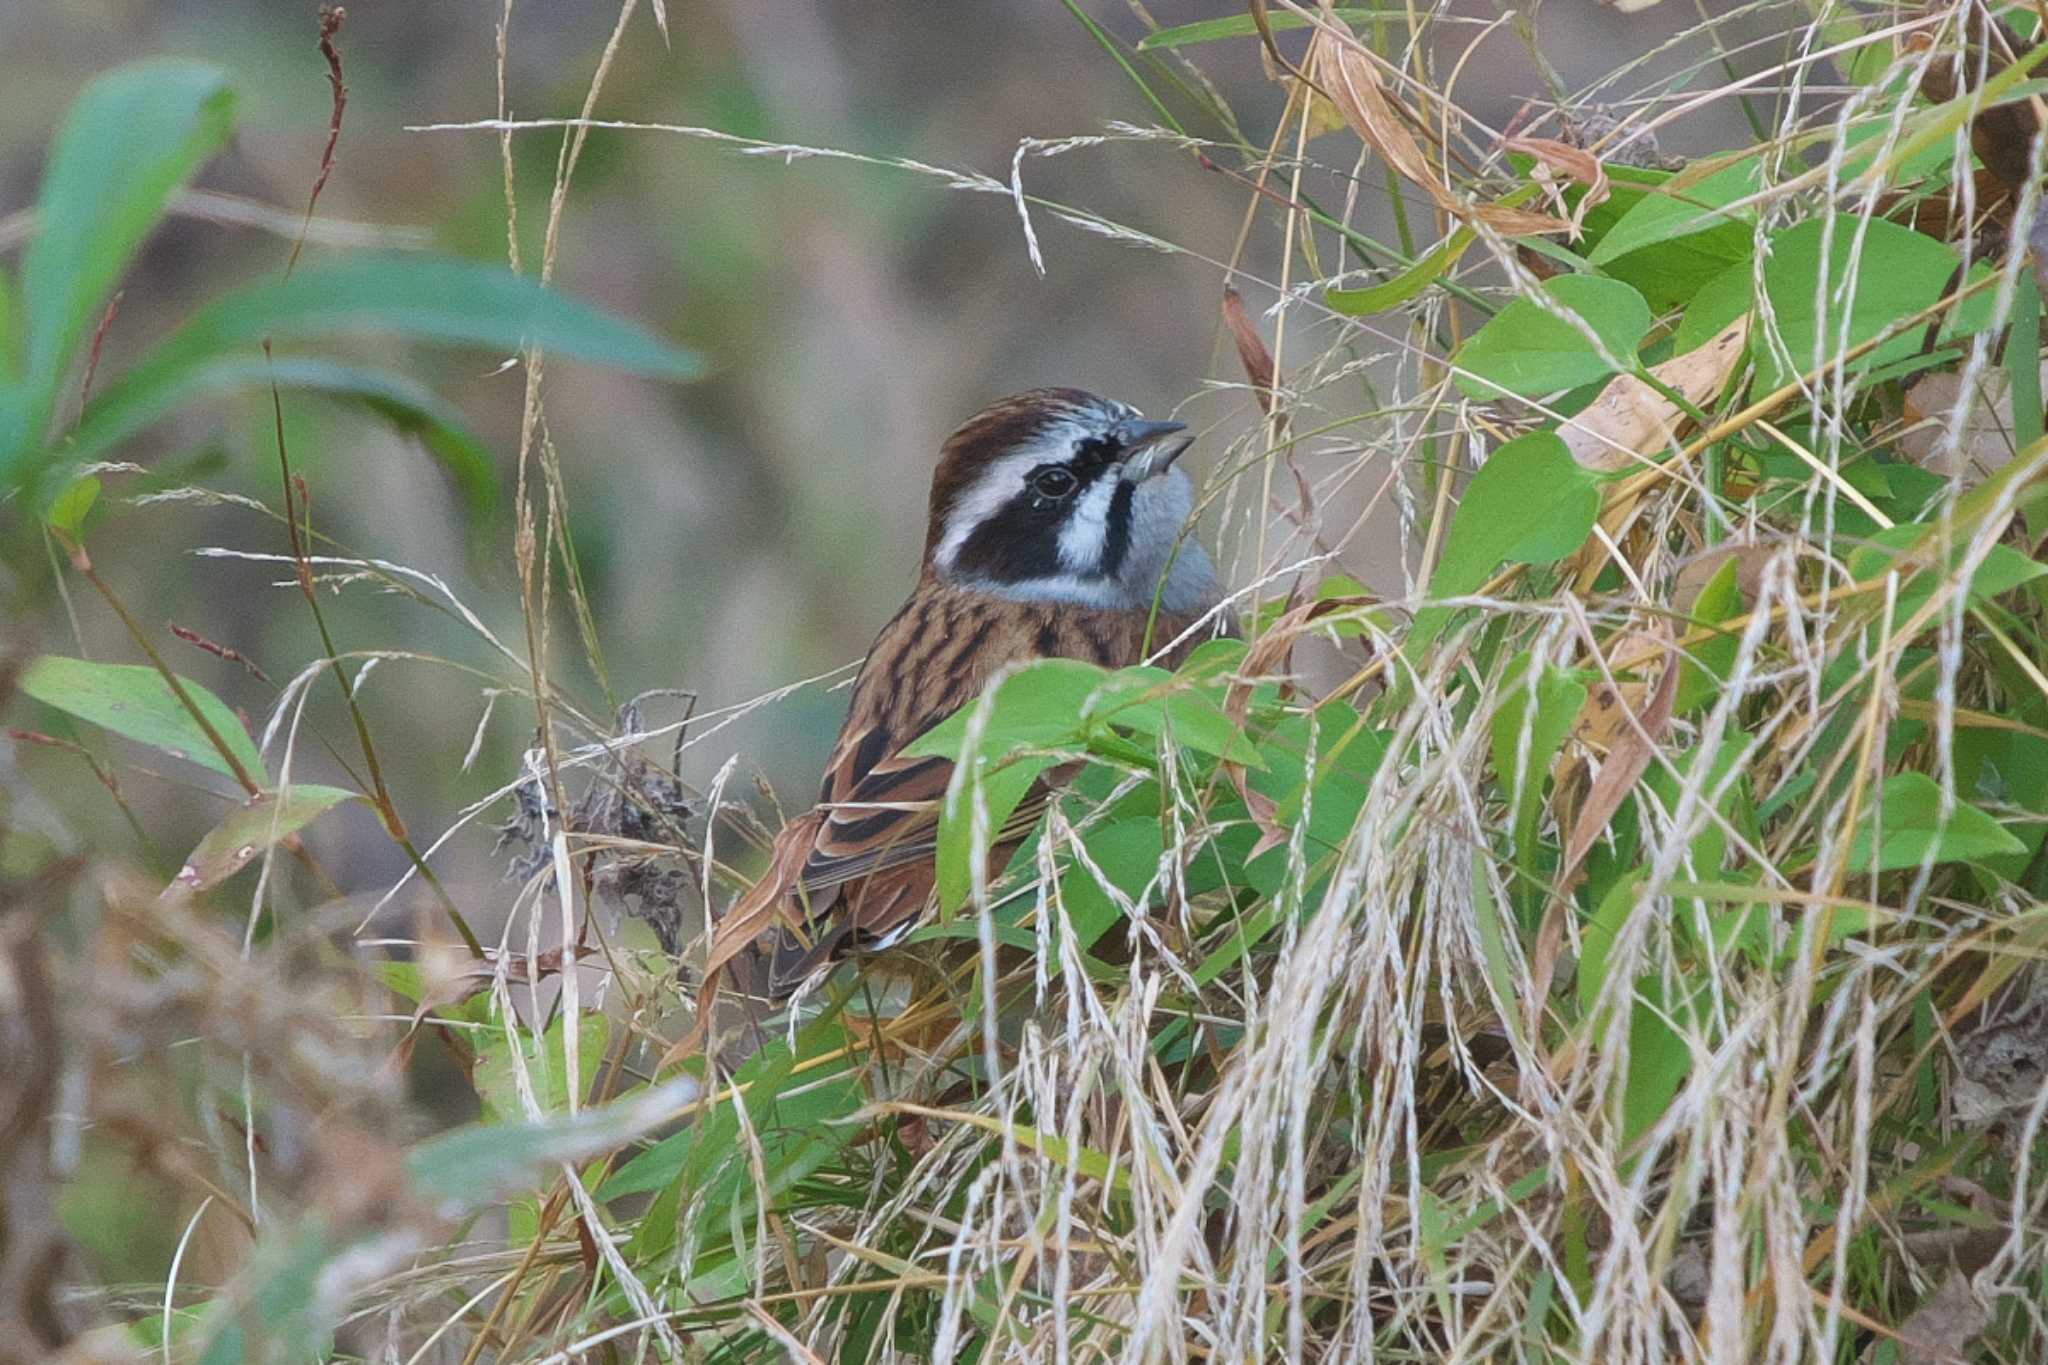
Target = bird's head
(1056,495)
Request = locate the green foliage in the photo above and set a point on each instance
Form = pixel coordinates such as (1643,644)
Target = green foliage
(105,190)
(1534,348)
(137,702)
(1675,240)
(1838,282)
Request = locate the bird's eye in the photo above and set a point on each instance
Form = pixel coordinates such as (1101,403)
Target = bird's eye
(1052,481)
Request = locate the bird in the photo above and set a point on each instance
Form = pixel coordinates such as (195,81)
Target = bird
(1056,528)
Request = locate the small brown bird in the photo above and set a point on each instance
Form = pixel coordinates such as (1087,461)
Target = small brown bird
(1057,520)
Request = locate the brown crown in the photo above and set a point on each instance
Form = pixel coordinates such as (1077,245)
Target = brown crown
(990,434)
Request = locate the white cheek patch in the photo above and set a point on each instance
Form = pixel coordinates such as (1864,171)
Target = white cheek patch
(1087,527)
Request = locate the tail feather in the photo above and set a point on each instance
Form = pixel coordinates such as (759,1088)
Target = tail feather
(795,959)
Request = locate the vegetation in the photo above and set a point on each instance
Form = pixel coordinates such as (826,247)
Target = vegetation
(1617,941)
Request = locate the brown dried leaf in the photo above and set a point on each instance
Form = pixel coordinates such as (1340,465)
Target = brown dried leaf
(1512,222)
(2001,135)
(1986,440)
(1631,421)
(1352,81)
(1628,757)
(1574,163)
(1751,559)
(1251,348)
(1940,1330)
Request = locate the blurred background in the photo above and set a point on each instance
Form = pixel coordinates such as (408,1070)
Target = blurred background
(737,533)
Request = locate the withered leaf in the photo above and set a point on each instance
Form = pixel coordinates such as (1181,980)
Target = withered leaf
(1251,348)
(1631,420)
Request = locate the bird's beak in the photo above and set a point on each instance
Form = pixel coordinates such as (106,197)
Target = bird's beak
(1150,448)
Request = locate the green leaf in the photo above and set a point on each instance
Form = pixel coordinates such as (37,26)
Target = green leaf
(68,511)
(1001,789)
(1152,701)
(1543,707)
(1718,302)
(1898,273)
(1041,703)
(1675,240)
(135,702)
(496,1077)
(428,298)
(1914,831)
(1127,853)
(1527,349)
(1393,293)
(1530,503)
(132,137)
(147,395)
(1706,668)
(1911,547)
(1599,936)
(249,829)
(461,1171)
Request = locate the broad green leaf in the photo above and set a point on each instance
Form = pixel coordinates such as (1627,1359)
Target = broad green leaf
(2023,362)
(1705,668)
(1041,703)
(1347,753)
(1914,831)
(1898,272)
(1718,302)
(428,298)
(68,511)
(1393,293)
(1676,239)
(1543,707)
(1126,852)
(1599,937)
(1659,1058)
(1152,701)
(497,1081)
(1527,349)
(1000,788)
(1530,503)
(1726,780)
(132,137)
(461,1171)
(249,829)
(154,392)
(1912,549)
(135,702)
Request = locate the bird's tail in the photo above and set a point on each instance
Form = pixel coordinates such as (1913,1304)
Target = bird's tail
(796,958)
